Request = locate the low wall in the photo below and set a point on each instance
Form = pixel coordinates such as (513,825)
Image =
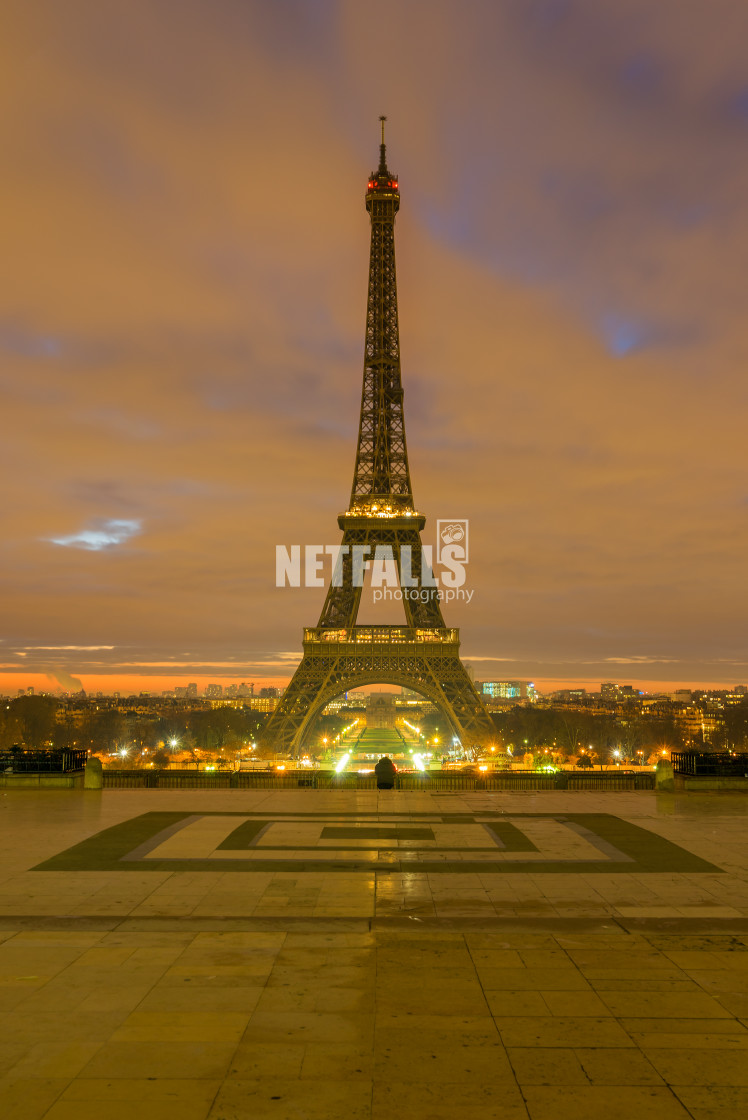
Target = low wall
(686,783)
(604,782)
(72,780)
(434,781)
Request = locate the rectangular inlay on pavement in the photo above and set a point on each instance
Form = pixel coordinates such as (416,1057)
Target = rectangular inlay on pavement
(484,842)
(371,832)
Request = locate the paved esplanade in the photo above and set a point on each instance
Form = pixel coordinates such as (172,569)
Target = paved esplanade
(328,955)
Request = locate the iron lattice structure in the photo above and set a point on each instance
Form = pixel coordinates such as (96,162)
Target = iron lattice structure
(424,654)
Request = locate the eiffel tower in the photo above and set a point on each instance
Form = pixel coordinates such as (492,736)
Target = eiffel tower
(381,520)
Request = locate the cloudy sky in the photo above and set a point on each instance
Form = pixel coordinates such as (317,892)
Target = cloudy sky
(185,253)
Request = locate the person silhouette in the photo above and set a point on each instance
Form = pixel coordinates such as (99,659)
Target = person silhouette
(385,771)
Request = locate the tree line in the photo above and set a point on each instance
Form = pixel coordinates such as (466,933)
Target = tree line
(36,722)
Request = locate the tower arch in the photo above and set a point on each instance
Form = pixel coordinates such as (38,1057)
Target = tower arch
(430,694)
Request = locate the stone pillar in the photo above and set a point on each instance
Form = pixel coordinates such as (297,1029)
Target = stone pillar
(664,776)
(93,777)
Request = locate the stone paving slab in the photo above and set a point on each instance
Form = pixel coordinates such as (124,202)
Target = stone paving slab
(373,991)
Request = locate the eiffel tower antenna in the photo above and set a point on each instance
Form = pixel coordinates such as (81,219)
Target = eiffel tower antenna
(381,520)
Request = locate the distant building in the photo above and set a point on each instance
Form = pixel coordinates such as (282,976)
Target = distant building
(192,691)
(611,691)
(214,691)
(508,690)
(699,726)
(234,690)
(380,710)
(569,695)
(264,703)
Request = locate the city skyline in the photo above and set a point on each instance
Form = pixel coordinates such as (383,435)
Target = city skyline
(167,686)
(181,333)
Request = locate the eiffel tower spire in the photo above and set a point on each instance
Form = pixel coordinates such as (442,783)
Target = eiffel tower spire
(381,478)
(381,510)
(383,153)
(338,653)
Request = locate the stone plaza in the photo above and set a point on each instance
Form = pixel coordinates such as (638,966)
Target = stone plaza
(344,955)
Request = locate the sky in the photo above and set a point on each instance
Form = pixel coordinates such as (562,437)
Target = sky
(185,251)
